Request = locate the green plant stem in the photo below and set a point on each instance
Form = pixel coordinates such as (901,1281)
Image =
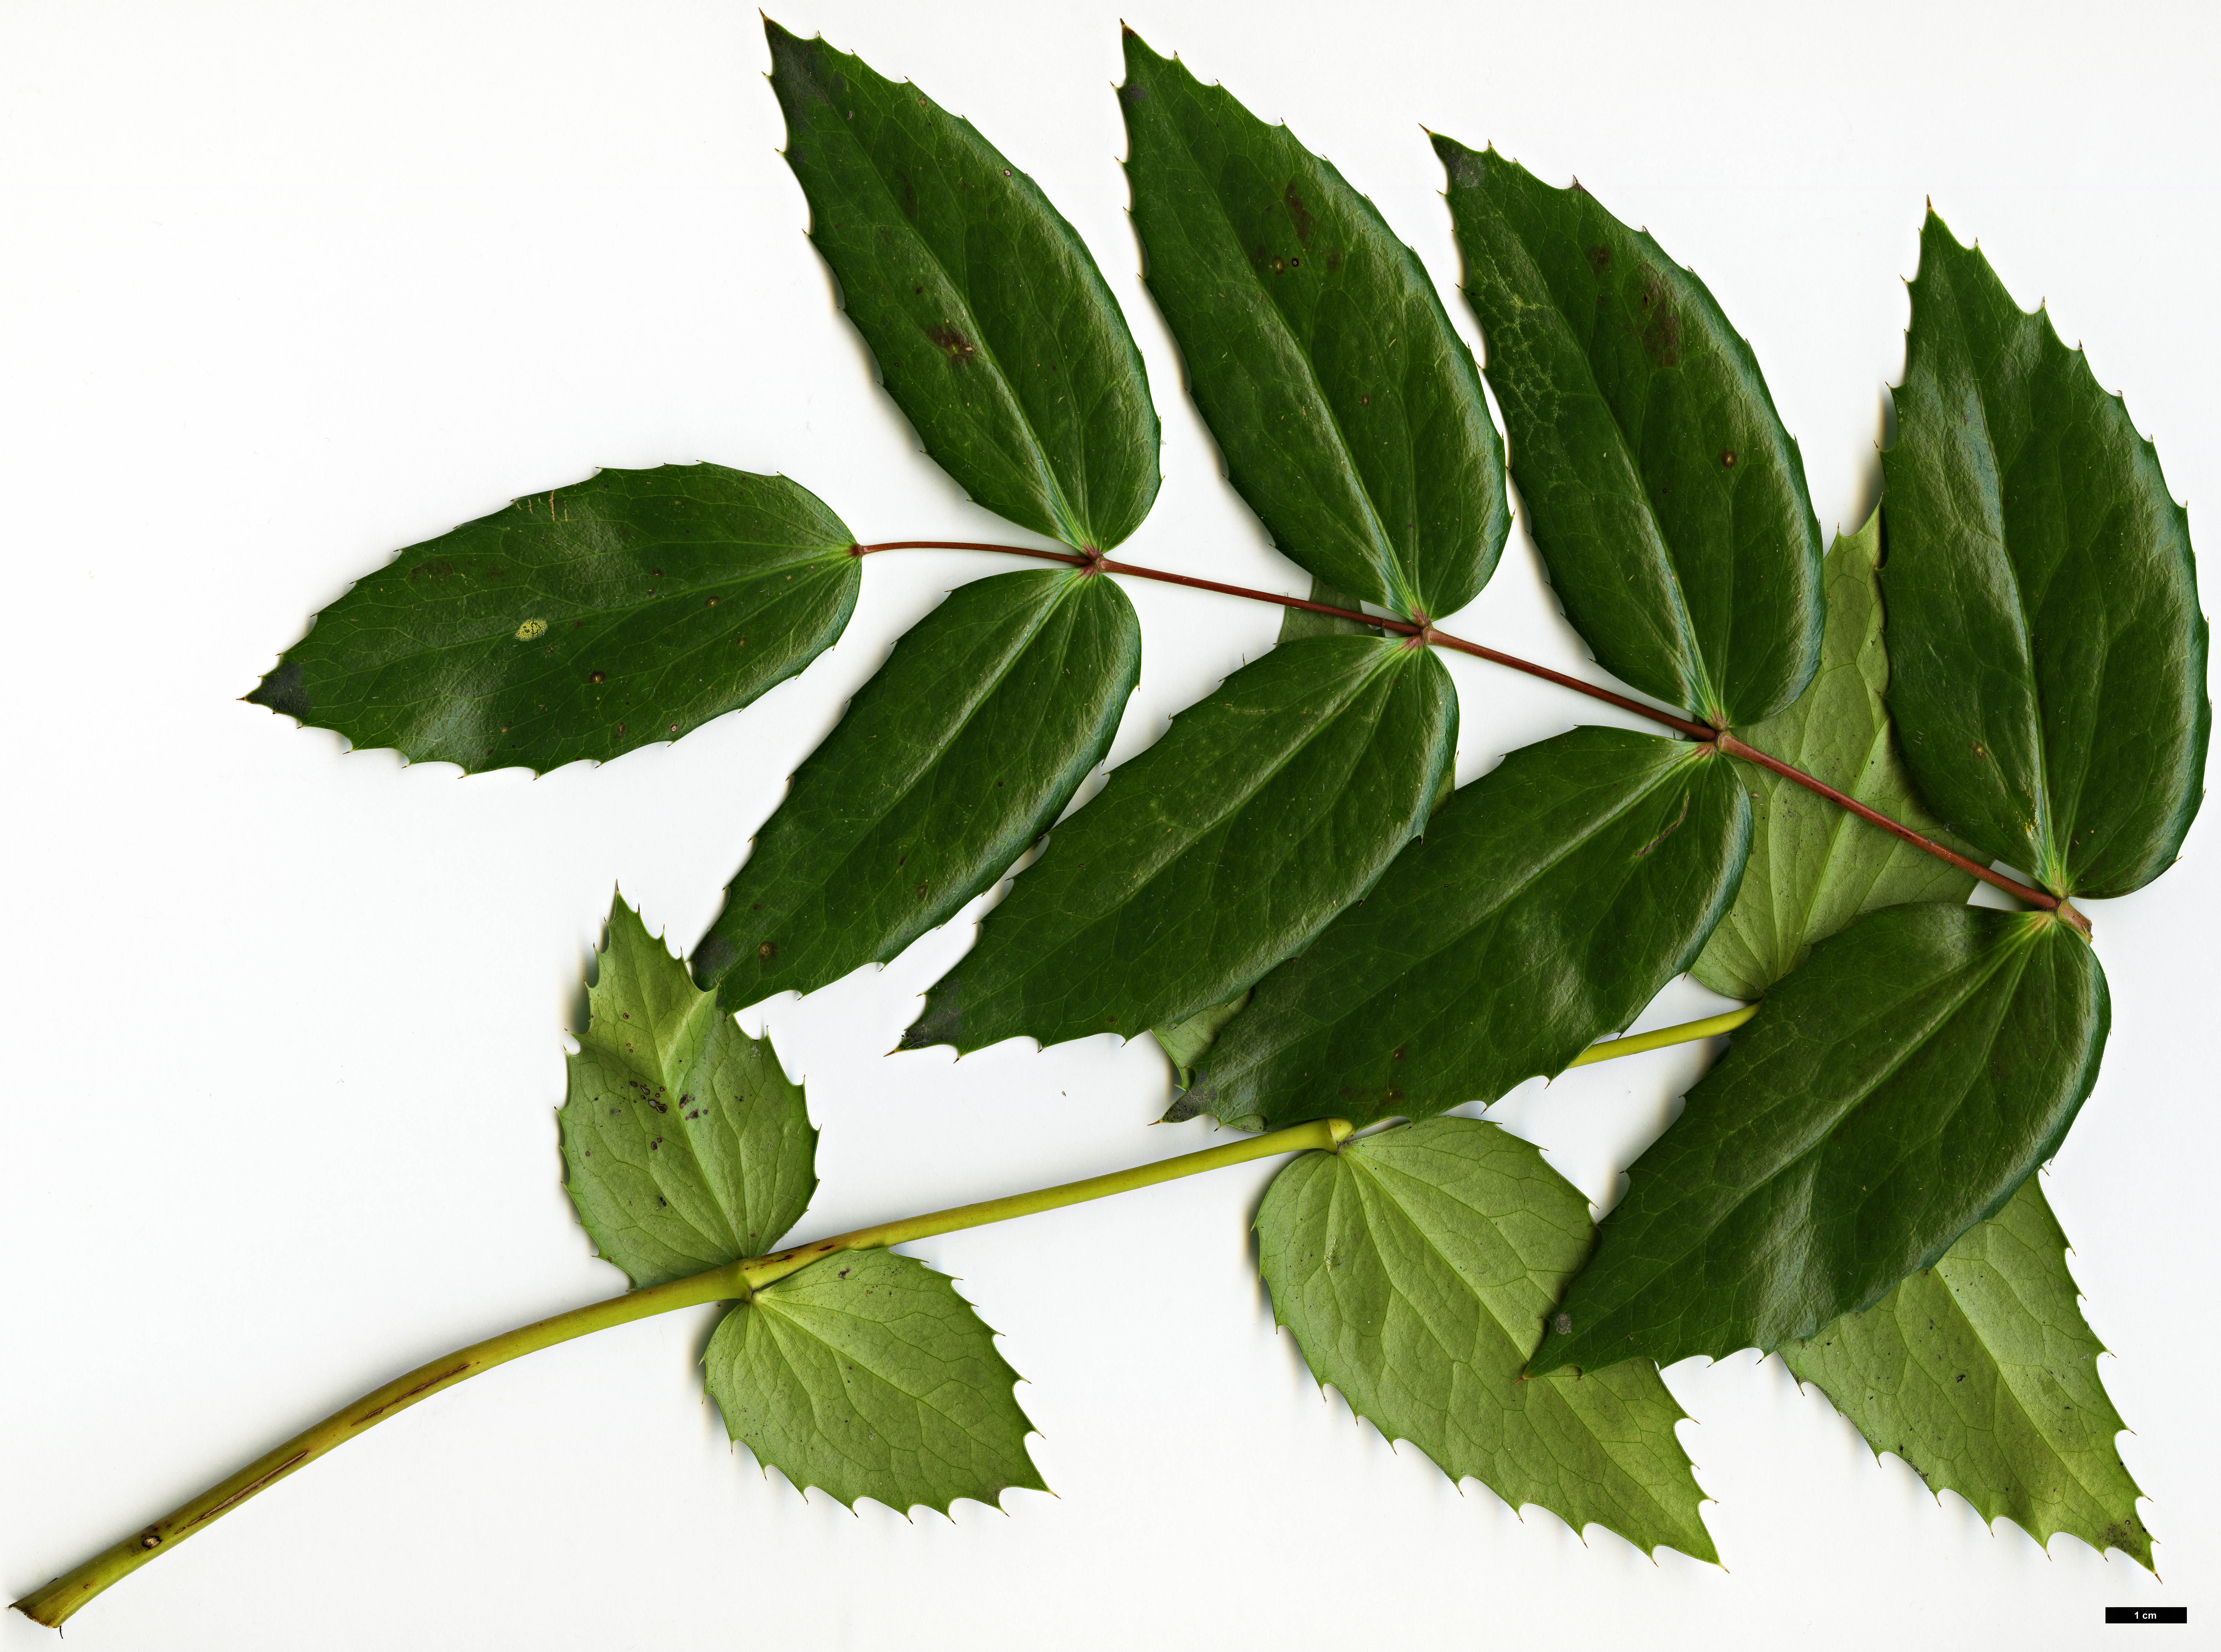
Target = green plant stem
(734,1281)
(1636,1043)
(1725,740)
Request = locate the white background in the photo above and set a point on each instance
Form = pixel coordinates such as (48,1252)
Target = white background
(288,286)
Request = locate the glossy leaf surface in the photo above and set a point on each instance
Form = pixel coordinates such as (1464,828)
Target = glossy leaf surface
(1662,489)
(1981,1373)
(865,1374)
(1813,867)
(685,1145)
(1893,1091)
(579,623)
(1265,810)
(2049,655)
(1415,1267)
(946,765)
(991,327)
(1350,415)
(1185,1042)
(1548,902)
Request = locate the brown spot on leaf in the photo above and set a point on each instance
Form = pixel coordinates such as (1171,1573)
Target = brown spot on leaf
(1727,458)
(767,952)
(952,340)
(1599,256)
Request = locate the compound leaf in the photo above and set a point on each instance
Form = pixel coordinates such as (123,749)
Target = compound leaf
(1981,1373)
(1265,810)
(947,765)
(2049,655)
(685,1145)
(1663,491)
(579,623)
(865,1374)
(992,328)
(1892,1092)
(1349,413)
(1415,1268)
(1813,867)
(1548,902)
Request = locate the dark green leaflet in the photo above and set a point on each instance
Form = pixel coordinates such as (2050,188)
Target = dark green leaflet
(1981,1373)
(580,623)
(1185,1042)
(1415,1268)
(1548,902)
(948,764)
(2048,655)
(1664,494)
(865,1374)
(991,326)
(1813,867)
(1264,811)
(685,1145)
(1350,415)
(1893,1091)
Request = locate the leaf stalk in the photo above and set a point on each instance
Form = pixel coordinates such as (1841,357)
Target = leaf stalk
(1724,740)
(732,1281)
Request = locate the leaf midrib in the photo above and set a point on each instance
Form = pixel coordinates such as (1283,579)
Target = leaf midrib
(1693,652)
(1378,1181)
(1541,869)
(794,1317)
(2040,830)
(1816,1139)
(1358,682)
(1945,1266)
(731,1248)
(1382,545)
(1061,506)
(1011,658)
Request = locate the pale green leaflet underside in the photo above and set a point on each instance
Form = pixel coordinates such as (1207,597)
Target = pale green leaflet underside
(867,1375)
(1981,1373)
(685,1144)
(1416,1268)
(1813,868)
(687,1148)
